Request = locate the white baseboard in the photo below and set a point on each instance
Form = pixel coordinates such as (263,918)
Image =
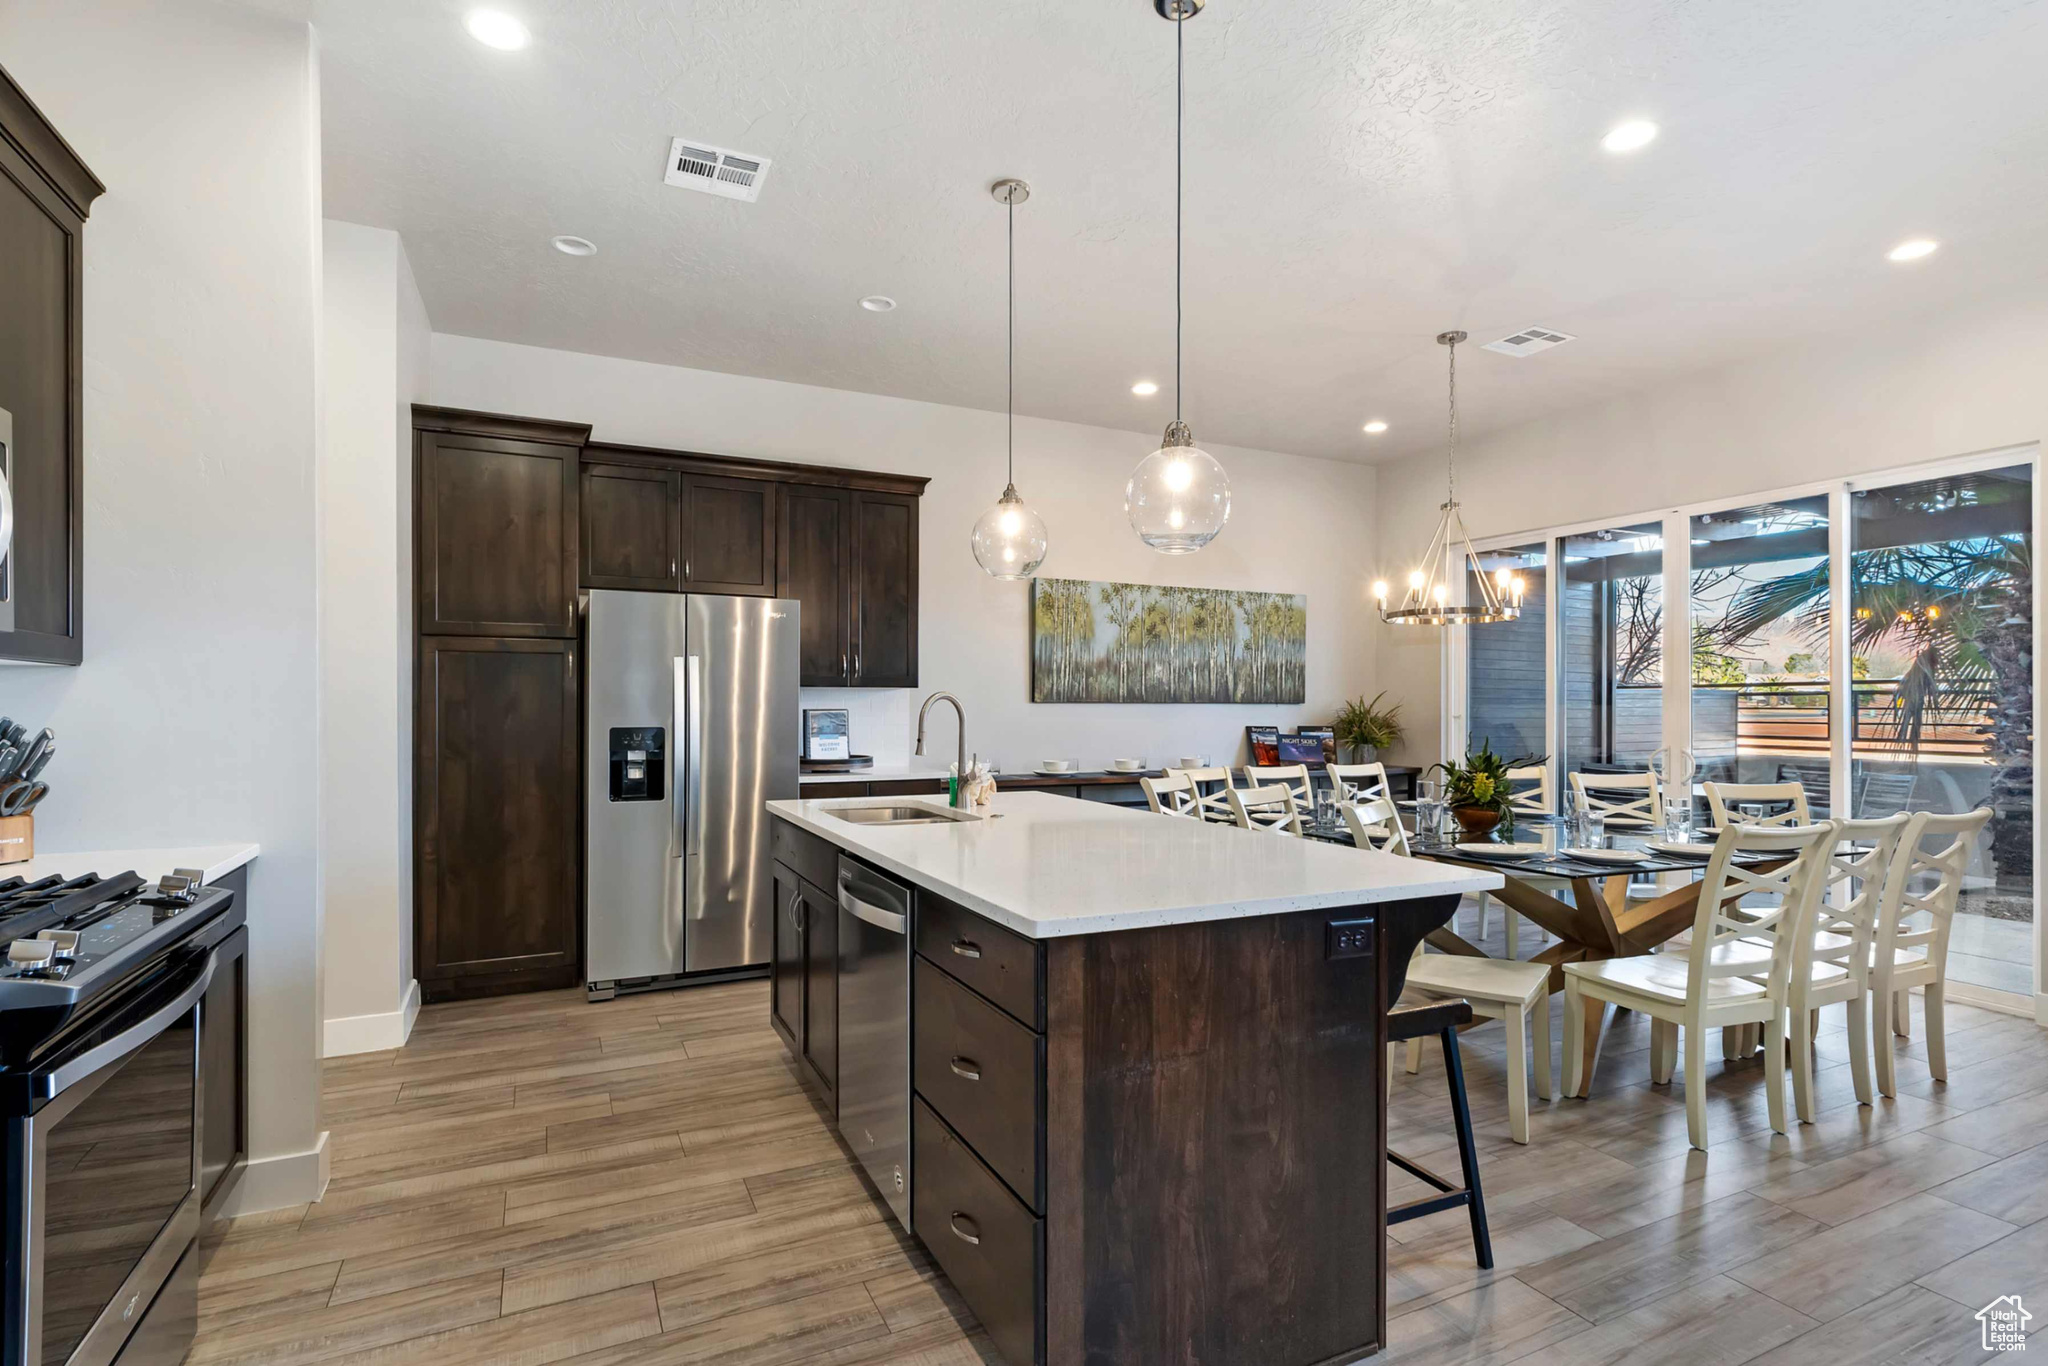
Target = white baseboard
(372,1033)
(281,1182)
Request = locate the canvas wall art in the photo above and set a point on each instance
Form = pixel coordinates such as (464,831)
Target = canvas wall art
(1128,642)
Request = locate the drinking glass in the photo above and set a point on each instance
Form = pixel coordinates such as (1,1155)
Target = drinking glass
(1429,809)
(1678,819)
(1593,828)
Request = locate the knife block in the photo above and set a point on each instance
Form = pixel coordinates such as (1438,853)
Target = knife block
(17,839)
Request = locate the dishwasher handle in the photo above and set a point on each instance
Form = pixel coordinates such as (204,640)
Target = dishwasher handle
(868,897)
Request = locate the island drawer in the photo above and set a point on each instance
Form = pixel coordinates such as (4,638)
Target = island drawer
(809,857)
(989,1246)
(985,1075)
(1001,965)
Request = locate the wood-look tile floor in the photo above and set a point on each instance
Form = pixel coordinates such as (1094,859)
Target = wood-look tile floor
(537,1179)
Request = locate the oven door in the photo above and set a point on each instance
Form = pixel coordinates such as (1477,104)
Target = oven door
(102,1180)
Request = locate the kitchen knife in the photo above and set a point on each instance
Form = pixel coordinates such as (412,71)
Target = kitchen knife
(9,757)
(16,733)
(44,739)
(34,767)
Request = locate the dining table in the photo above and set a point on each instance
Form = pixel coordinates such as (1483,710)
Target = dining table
(1586,904)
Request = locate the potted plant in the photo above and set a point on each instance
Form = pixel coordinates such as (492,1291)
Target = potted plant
(1365,728)
(1477,790)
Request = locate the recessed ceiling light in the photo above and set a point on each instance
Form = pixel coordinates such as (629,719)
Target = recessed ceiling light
(494,28)
(1913,250)
(1631,136)
(878,303)
(1144,388)
(1375,427)
(575,246)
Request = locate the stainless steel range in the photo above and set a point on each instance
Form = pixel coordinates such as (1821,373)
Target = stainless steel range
(104,1031)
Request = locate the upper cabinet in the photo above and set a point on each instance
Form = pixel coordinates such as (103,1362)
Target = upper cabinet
(816,568)
(495,512)
(632,527)
(728,536)
(45,194)
(850,557)
(884,590)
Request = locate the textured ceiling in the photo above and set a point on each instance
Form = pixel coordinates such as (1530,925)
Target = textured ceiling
(1360,177)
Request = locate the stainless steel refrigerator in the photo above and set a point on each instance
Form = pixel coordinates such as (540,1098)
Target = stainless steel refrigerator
(691,726)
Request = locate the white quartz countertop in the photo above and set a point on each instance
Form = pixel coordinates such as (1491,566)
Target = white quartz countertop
(215,860)
(1046,866)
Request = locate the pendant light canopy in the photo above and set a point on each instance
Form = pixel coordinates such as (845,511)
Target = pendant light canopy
(1009,539)
(1428,600)
(1179,497)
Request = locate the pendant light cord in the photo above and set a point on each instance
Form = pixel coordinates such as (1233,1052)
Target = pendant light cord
(1179,117)
(1451,461)
(1010,203)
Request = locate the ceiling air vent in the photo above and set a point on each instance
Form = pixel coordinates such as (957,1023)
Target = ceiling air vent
(715,170)
(1528,342)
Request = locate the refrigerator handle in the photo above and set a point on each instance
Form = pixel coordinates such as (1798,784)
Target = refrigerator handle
(693,755)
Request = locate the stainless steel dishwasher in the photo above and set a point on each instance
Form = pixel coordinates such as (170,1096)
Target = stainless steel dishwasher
(874,1029)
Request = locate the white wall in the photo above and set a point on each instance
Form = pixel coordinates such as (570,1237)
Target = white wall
(376,342)
(195,714)
(1297,525)
(1972,379)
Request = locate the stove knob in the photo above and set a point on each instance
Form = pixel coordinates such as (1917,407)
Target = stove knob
(32,953)
(65,940)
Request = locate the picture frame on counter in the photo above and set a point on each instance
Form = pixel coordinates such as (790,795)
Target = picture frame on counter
(828,733)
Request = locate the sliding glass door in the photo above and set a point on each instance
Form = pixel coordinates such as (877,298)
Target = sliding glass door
(1942,587)
(1610,644)
(1761,705)
(1506,679)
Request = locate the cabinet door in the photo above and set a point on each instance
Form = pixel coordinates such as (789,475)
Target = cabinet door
(821,988)
(814,554)
(885,591)
(632,528)
(41,594)
(786,966)
(729,535)
(497,795)
(497,536)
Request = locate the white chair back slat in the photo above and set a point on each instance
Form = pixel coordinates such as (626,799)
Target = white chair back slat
(1358,782)
(1859,871)
(1530,790)
(1172,795)
(1269,808)
(1928,881)
(1623,799)
(1212,792)
(1724,798)
(1376,825)
(1294,776)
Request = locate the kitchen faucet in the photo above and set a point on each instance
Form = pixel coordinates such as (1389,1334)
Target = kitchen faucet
(925,710)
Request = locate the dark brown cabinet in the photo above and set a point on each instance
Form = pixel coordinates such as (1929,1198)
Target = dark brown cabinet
(850,556)
(495,511)
(884,591)
(496,799)
(816,564)
(45,194)
(632,528)
(728,536)
(786,966)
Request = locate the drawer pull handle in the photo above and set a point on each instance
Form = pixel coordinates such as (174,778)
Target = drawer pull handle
(967,948)
(966,1067)
(965,1229)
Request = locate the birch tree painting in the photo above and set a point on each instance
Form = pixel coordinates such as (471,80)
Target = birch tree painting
(1126,642)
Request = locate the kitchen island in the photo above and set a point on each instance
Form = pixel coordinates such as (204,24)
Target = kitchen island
(1145,1059)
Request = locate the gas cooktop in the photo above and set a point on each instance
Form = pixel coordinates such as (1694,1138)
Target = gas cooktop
(69,939)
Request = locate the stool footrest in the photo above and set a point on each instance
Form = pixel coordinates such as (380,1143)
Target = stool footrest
(1426,1206)
(1420,1172)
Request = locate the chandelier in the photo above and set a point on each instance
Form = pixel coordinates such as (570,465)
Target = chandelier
(1428,599)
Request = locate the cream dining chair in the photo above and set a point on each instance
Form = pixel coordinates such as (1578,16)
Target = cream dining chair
(1527,801)
(1917,956)
(1629,800)
(1295,776)
(1375,825)
(1723,798)
(1211,804)
(1266,808)
(1358,782)
(1172,795)
(1735,973)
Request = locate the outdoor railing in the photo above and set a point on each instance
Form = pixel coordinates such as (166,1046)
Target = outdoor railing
(1798,718)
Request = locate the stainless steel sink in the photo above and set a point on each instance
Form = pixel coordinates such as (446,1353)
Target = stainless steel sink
(897,815)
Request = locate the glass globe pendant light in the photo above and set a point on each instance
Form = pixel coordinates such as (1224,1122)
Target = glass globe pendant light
(1179,497)
(1009,539)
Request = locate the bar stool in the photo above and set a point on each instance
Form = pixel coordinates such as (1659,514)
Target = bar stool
(1417,1015)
